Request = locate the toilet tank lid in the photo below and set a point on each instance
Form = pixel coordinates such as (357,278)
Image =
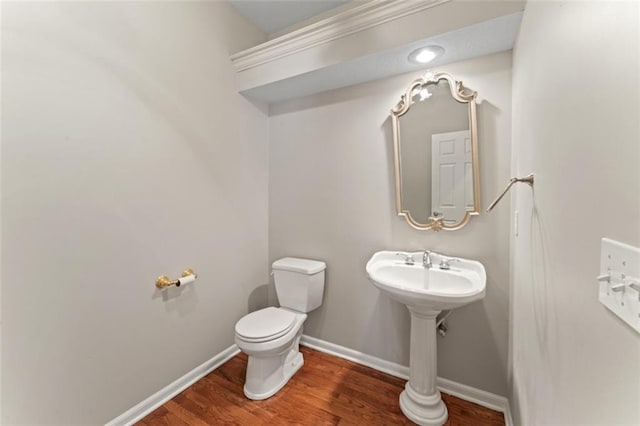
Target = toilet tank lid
(303,266)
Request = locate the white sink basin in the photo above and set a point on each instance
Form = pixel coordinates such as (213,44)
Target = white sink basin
(431,288)
(426,291)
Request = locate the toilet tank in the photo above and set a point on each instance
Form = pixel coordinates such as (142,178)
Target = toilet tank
(299,283)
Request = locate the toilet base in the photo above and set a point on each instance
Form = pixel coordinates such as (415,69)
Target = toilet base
(266,376)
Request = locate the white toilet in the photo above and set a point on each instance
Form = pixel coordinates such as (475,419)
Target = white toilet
(271,336)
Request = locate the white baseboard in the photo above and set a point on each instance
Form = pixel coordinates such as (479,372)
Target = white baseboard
(388,367)
(139,411)
(468,393)
(477,396)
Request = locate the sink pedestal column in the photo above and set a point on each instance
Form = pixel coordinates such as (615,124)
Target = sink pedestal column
(420,400)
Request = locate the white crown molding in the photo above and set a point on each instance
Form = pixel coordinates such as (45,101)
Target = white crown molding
(144,408)
(359,18)
(468,393)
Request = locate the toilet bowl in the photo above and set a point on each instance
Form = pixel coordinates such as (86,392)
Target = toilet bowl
(271,336)
(272,359)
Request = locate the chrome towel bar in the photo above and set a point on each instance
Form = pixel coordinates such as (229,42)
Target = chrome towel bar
(526,179)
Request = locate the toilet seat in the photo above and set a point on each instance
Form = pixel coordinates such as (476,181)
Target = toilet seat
(265,325)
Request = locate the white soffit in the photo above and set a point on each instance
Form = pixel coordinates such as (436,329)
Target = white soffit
(484,38)
(368,15)
(372,40)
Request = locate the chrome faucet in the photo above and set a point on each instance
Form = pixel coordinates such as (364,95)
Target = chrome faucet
(426,259)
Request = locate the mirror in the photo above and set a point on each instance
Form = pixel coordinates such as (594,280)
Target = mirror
(435,150)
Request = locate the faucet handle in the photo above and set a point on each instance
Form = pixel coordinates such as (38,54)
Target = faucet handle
(408,258)
(445,263)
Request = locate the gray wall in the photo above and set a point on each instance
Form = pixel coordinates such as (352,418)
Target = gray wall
(126,154)
(576,126)
(331,198)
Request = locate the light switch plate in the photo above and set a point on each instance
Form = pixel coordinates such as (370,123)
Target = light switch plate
(621,262)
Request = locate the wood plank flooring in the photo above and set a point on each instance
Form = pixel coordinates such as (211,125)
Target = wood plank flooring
(327,390)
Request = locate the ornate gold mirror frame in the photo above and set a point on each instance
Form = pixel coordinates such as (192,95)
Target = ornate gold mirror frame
(462,95)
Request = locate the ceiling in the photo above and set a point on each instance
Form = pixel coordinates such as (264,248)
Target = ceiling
(275,15)
(370,40)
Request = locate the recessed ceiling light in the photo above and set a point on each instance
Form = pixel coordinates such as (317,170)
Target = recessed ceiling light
(425,54)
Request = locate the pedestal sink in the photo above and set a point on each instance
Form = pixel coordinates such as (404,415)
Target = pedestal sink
(427,283)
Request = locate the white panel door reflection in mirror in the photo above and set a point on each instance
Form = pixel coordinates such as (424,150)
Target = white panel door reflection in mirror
(452,180)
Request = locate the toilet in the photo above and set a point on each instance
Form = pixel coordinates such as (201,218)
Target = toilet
(271,336)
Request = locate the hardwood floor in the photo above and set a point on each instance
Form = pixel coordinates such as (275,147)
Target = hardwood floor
(327,391)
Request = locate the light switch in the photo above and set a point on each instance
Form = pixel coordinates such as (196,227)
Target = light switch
(620,280)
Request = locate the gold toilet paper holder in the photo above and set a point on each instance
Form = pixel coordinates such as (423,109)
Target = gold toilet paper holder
(164,281)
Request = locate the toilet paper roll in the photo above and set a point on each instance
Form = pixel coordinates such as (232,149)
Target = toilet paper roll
(186,280)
